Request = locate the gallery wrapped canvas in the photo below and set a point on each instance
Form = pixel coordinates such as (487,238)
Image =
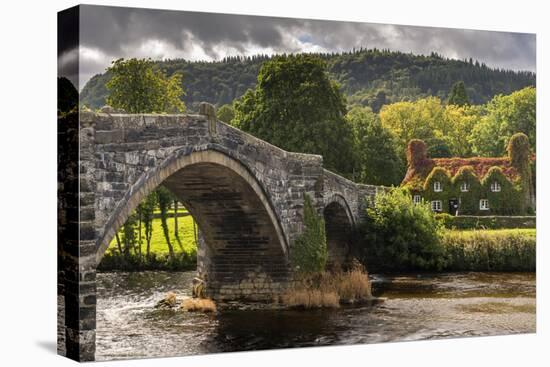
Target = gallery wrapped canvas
(232,183)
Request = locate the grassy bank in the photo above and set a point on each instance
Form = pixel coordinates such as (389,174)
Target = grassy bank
(489,250)
(185,249)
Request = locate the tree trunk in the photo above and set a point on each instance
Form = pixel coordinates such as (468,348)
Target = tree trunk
(118,243)
(139,235)
(176,233)
(167,235)
(148,233)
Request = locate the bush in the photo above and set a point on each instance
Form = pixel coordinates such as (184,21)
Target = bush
(494,250)
(309,253)
(401,235)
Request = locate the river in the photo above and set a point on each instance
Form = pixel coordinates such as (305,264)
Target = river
(417,308)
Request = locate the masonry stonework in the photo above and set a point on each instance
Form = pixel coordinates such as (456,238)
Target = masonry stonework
(245,194)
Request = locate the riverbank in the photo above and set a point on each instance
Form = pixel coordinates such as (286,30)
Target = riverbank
(489,250)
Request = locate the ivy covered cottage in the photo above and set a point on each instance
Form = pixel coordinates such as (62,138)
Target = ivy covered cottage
(473,186)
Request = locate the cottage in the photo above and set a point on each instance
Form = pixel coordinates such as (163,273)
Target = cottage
(473,186)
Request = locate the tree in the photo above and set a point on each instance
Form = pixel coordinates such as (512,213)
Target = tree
(136,86)
(458,95)
(165,198)
(297,107)
(422,119)
(377,160)
(460,121)
(147,209)
(226,113)
(309,253)
(438,148)
(504,116)
(402,235)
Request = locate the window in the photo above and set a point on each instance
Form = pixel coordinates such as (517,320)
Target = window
(464,187)
(417,199)
(484,204)
(436,205)
(495,187)
(437,186)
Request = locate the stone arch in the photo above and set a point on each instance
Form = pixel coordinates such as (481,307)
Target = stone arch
(241,234)
(339,227)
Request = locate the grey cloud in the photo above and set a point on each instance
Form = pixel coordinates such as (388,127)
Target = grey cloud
(120,32)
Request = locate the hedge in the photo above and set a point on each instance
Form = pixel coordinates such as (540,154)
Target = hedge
(492,250)
(486,222)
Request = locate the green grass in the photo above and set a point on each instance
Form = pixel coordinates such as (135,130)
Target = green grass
(490,250)
(530,232)
(186,243)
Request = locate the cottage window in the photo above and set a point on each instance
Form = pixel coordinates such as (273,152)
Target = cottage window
(464,187)
(417,199)
(436,205)
(437,186)
(495,187)
(484,204)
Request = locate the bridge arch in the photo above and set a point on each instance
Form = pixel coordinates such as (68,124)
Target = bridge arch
(339,227)
(241,235)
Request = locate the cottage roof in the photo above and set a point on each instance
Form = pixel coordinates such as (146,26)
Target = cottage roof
(416,174)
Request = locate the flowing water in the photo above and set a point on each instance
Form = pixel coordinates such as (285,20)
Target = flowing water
(417,308)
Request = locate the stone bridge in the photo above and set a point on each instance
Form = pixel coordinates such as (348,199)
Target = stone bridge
(245,194)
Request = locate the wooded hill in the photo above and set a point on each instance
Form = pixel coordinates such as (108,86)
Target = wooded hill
(369,77)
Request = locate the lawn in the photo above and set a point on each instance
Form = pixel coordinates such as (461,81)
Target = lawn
(185,244)
(529,232)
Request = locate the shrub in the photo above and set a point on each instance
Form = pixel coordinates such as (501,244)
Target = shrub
(402,235)
(494,250)
(309,253)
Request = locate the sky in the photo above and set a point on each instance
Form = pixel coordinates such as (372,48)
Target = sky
(109,33)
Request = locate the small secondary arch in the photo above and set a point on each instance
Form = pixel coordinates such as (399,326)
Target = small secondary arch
(339,226)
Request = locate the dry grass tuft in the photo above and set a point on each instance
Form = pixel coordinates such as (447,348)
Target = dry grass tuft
(329,289)
(310,298)
(198,305)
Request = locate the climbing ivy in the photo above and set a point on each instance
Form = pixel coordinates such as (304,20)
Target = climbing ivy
(444,177)
(468,200)
(506,201)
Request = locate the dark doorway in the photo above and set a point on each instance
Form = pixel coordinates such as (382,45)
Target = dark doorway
(453,206)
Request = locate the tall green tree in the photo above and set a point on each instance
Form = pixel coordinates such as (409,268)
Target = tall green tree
(421,119)
(137,86)
(377,160)
(504,116)
(298,108)
(458,95)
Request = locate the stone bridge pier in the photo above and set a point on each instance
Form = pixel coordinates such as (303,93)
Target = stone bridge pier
(245,194)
